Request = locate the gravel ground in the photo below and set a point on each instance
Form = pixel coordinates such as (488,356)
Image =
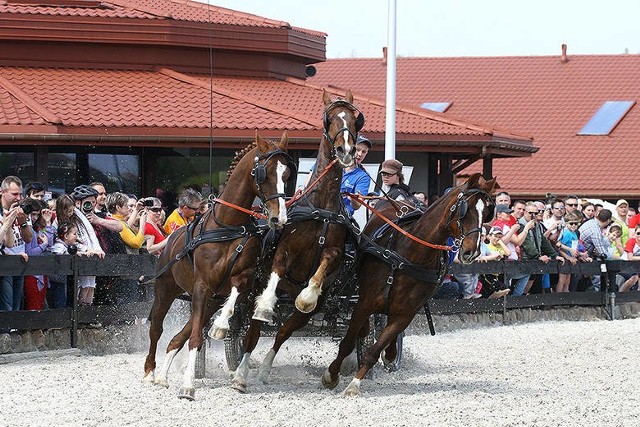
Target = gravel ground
(542,374)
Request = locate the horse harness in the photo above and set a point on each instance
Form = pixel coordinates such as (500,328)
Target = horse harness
(326,122)
(229,232)
(397,262)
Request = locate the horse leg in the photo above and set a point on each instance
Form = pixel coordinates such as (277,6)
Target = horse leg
(307,300)
(390,332)
(266,301)
(164,297)
(296,321)
(201,294)
(358,327)
(250,342)
(221,325)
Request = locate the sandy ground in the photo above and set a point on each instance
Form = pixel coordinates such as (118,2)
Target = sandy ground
(543,374)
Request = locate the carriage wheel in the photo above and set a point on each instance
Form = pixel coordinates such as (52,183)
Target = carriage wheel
(233,347)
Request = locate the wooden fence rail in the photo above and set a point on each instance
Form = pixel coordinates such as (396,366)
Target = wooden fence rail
(138,265)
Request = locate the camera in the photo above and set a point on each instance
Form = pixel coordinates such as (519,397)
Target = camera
(147,203)
(87,207)
(26,207)
(72,249)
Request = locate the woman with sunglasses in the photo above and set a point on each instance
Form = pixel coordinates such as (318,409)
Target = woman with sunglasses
(153,232)
(393,182)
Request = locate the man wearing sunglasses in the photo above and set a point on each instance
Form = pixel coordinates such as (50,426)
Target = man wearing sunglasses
(535,245)
(571,204)
(189,204)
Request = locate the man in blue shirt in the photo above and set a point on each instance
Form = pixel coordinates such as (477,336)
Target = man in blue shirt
(355,179)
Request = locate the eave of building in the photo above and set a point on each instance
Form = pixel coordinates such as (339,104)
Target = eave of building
(306,47)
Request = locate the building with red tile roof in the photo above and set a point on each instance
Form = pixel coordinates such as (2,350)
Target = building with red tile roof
(551,98)
(136,93)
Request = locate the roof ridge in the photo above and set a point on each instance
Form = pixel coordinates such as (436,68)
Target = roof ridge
(197,82)
(29,102)
(432,115)
(131,4)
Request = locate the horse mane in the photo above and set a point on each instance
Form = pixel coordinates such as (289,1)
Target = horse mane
(239,155)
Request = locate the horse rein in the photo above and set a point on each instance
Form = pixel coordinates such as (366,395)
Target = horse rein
(395,226)
(309,187)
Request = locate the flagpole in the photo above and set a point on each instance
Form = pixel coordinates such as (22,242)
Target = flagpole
(390,126)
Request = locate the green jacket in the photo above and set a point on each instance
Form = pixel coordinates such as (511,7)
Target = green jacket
(535,244)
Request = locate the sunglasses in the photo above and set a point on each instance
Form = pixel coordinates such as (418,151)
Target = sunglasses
(573,223)
(194,209)
(533,212)
(573,205)
(155,209)
(383,173)
(558,207)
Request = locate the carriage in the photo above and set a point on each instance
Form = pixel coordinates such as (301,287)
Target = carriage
(215,259)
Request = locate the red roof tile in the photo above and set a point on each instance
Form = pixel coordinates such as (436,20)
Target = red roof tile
(541,96)
(109,99)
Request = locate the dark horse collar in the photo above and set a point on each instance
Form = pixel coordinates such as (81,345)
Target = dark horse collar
(359,123)
(459,210)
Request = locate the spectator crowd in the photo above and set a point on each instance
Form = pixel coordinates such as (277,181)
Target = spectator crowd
(89,222)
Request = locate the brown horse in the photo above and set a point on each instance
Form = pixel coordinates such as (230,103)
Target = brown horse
(398,274)
(312,243)
(215,257)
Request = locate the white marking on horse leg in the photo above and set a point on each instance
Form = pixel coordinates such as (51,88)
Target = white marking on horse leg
(265,369)
(282,208)
(149,378)
(307,300)
(242,373)
(267,300)
(353,389)
(221,325)
(161,379)
(190,371)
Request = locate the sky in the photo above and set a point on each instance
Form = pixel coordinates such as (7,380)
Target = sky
(358,28)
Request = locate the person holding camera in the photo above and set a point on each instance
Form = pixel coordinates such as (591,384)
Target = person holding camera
(75,208)
(12,287)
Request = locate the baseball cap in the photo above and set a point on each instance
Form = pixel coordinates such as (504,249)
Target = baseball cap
(503,208)
(361,139)
(496,230)
(391,166)
(621,202)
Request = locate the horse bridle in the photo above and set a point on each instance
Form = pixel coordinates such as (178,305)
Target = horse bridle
(259,171)
(359,123)
(460,208)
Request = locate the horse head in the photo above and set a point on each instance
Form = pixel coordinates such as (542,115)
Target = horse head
(272,168)
(341,122)
(469,206)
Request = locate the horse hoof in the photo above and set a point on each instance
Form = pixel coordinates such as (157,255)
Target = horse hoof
(239,387)
(161,382)
(187,393)
(329,382)
(148,378)
(353,389)
(265,316)
(217,333)
(305,307)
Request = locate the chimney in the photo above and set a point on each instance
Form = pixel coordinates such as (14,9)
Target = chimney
(564,58)
(384,55)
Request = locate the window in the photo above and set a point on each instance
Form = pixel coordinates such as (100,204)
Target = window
(118,172)
(606,118)
(439,107)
